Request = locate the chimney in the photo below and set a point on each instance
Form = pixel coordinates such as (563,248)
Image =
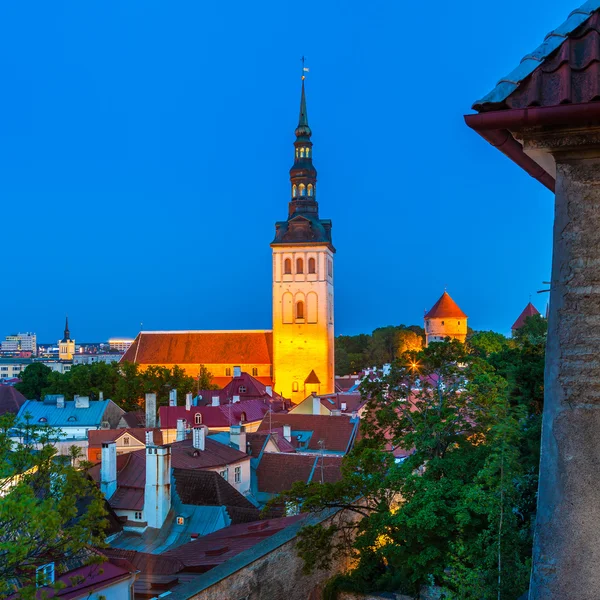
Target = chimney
(336,412)
(157,492)
(151,410)
(236,399)
(173,398)
(108,469)
(149,438)
(343,406)
(237,371)
(60,401)
(180,430)
(215,401)
(316,404)
(188,401)
(269,390)
(199,438)
(101,396)
(287,432)
(237,437)
(82,401)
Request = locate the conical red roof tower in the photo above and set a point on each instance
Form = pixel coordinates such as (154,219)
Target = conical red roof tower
(529,311)
(445,307)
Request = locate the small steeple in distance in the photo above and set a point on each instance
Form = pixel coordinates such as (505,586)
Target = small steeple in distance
(529,311)
(67,333)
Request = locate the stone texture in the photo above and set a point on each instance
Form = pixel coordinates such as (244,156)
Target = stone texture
(567,538)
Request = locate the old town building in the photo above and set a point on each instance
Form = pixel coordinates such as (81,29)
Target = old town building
(445,319)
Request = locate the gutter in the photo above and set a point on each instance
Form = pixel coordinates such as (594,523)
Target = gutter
(496,127)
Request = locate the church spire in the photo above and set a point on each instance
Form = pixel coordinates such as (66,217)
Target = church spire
(303,130)
(67,335)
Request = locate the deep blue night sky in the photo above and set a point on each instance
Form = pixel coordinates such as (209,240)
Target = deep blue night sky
(145,149)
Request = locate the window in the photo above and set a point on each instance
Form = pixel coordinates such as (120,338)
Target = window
(312,265)
(297,152)
(180,520)
(237,475)
(254,372)
(228,372)
(287,266)
(302,189)
(329,268)
(42,420)
(4,368)
(459,322)
(294,190)
(242,389)
(299,266)
(295,386)
(138,516)
(126,441)
(300,310)
(442,322)
(223,474)
(44,575)
(72,418)
(198,419)
(301,152)
(243,418)
(310,189)
(307,152)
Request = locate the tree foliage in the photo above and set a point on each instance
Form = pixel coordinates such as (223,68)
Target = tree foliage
(34,379)
(457,511)
(49,510)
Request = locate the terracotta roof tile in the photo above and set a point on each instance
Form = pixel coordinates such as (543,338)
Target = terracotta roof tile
(10,400)
(215,454)
(529,311)
(201,347)
(97,436)
(445,307)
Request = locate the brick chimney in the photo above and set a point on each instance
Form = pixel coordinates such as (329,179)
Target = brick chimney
(188,401)
(151,410)
(108,469)
(157,492)
(180,430)
(237,437)
(199,438)
(173,398)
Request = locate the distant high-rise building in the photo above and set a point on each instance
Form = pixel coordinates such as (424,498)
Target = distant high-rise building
(120,344)
(445,319)
(20,342)
(66,346)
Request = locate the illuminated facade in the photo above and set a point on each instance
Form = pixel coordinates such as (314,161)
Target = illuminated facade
(66,346)
(303,335)
(445,319)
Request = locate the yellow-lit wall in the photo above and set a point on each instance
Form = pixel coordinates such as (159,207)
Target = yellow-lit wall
(217,370)
(436,330)
(303,345)
(66,350)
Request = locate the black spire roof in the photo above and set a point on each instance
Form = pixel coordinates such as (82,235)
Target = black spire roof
(67,335)
(303,224)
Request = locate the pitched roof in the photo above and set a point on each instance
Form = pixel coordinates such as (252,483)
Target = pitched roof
(10,400)
(185,456)
(69,416)
(277,472)
(201,347)
(145,562)
(569,39)
(336,432)
(97,436)
(135,418)
(529,311)
(312,378)
(445,307)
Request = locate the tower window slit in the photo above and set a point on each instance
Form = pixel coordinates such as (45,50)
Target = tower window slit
(300,310)
(312,265)
(310,189)
(287,266)
(299,266)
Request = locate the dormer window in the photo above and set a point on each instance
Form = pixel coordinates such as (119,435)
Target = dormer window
(180,520)
(44,575)
(126,441)
(72,418)
(242,389)
(42,420)
(243,418)
(198,419)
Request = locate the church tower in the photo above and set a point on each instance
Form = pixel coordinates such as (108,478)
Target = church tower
(303,340)
(66,346)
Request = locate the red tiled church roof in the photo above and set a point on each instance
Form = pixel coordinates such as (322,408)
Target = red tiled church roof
(201,347)
(529,311)
(445,307)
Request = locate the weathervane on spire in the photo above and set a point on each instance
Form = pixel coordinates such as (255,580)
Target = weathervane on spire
(304,69)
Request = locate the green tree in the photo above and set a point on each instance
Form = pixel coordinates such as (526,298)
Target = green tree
(533,330)
(49,510)
(205,378)
(484,343)
(33,381)
(407,340)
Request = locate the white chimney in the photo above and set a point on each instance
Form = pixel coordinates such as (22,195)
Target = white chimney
(316,404)
(236,399)
(82,401)
(151,410)
(101,396)
(149,438)
(180,430)
(343,406)
(188,401)
(237,437)
(157,493)
(237,371)
(108,469)
(173,398)
(215,401)
(199,438)
(287,432)
(269,389)
(336,412)
(60,401)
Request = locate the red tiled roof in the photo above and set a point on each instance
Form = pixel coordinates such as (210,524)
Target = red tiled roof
(201,347)
(353,401)
(529,311)
(223,415)
(247,388)
(277,472)
(343,384)
(215,454)
(10,400)
(218,547)
(154,564)
(97,436)
(337,432)
(135,418)
(445,307)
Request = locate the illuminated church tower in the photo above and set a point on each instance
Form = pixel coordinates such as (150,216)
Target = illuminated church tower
(66,346)
(303,360)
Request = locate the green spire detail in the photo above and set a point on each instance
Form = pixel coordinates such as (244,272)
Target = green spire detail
(303,130)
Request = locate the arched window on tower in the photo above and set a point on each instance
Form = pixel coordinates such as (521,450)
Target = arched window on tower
(301,152)
(300,310)
(299,266)
(294,190)
(312,265)
(287,266)
(297,151)
(310,189)
(302,189)
(198,419)
(308,153)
